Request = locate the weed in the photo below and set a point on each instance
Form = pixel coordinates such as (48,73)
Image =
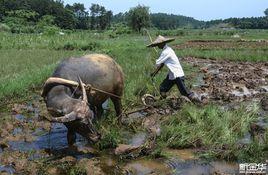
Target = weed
(190,128)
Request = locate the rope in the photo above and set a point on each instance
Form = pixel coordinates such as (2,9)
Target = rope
(89,88)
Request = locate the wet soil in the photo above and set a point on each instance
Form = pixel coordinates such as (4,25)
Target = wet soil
(32,145)
(29,144)
(226,81)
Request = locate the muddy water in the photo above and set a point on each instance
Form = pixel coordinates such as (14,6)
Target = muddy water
(54,143)
(179,162)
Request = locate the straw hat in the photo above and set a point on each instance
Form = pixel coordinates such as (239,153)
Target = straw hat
(159,40)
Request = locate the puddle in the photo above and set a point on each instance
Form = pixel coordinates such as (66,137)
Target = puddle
(138,139)
(179,162)
(195,167)
(182,162)
(20,117)
(199,82)
(184,154)
(17,131)
(54,140)
(247,139)
(145,167)
(9,169)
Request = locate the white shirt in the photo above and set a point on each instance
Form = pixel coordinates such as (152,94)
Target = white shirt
(169,58)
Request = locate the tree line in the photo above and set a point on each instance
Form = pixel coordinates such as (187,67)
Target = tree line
(37,15)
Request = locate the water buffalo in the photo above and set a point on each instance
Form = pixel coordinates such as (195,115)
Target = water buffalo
(73,105)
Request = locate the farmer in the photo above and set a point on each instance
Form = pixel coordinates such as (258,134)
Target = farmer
(176,74)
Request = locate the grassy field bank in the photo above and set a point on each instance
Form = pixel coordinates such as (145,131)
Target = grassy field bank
(27,60)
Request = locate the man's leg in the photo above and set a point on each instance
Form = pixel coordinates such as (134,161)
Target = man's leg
(165,86)
(181,86)
(184,91)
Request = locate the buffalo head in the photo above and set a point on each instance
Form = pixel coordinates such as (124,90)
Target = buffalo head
(75,113)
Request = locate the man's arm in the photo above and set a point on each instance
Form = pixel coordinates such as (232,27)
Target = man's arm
(157,70)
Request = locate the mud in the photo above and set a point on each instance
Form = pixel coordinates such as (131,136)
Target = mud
(226,81)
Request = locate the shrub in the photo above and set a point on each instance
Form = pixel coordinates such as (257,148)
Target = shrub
(69,46)
(90,46)
(23,29)
(4,28)
(80,46)
(109,140)
(50,30)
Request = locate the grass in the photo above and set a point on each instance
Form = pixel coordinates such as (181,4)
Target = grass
(212,128)
(28,60)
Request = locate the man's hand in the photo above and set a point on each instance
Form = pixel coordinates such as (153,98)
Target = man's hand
(156,70)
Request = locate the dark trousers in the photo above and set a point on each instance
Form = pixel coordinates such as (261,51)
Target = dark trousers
(167,84)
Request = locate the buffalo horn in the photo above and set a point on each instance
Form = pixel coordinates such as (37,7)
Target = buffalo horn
(84,97)
(53,81)
(67,118)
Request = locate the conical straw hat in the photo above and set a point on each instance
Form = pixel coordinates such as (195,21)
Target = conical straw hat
(159,40)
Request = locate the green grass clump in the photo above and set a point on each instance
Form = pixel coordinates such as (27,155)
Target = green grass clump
(212,128)
(80,46)
(111,132)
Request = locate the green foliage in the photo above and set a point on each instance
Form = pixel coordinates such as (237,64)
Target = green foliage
(80,46)
(32,11)
(46,20)
(120,29)
(165,21)
(109,140)
(100,17)
(4,28)
(28,15)
(81,15)
(19,25)
(266,12)
(46,25)
(20,21)
(139,17)
(242,23)
(50,30)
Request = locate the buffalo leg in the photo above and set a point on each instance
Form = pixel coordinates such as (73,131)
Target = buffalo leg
(71,137)
(99,111)
(118,108)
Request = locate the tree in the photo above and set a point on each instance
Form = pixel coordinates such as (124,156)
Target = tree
(139,17)
(81,15)
(169,21)
(266,12)
(94,12)
(100,17)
